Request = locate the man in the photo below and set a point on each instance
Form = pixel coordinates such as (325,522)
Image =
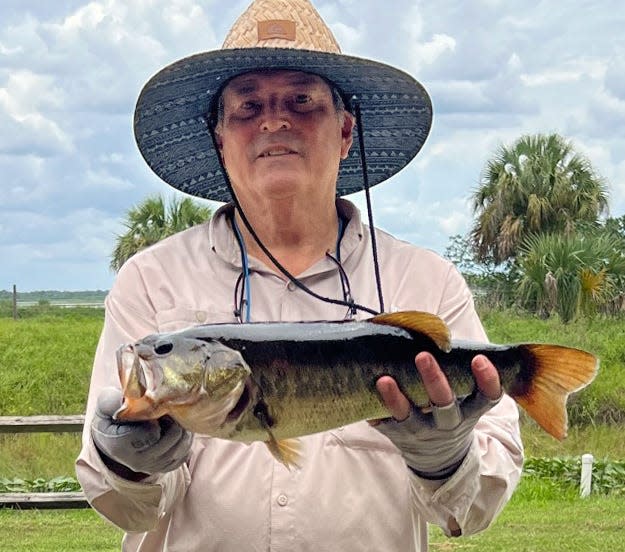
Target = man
(264,123)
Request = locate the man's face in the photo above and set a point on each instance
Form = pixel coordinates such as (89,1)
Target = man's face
(281,135)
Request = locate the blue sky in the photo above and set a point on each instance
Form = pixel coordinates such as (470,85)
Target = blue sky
(71,71)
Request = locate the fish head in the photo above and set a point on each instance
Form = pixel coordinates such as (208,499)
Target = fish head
(197,382)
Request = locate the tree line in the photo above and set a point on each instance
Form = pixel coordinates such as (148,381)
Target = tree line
(541,237)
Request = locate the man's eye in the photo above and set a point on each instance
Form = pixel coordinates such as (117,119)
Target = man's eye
(301,99)
(246,110)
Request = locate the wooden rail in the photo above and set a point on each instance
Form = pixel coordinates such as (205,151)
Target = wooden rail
(57,501)
(42,424)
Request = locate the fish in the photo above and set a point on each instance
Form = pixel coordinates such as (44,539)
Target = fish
(278,381)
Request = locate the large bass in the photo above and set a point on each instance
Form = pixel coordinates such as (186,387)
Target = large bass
(275,381)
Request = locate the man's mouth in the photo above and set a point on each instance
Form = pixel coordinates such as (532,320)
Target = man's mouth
(276,152)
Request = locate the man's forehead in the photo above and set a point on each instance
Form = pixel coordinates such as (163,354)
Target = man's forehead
(248,82)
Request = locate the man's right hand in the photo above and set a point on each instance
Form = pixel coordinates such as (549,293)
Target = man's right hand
(143,448)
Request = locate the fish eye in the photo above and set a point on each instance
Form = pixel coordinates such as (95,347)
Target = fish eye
(163,348)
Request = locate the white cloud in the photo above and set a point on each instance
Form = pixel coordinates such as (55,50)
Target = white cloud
(430,51)
(26,103)
(8,51)
(349,38)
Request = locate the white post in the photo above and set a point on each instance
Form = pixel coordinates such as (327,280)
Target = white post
(586,479)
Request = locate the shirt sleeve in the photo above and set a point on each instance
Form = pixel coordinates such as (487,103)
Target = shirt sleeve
(133,506)
(471,499)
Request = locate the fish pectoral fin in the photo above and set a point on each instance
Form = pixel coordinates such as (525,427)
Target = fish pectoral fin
(285,451)
(133,410)
(424,323)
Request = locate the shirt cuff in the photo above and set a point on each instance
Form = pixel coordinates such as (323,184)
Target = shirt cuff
(449,500)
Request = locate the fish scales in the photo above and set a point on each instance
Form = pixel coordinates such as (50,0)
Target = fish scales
(312,385)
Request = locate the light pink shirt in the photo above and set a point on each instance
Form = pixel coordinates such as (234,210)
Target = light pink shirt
(353,491)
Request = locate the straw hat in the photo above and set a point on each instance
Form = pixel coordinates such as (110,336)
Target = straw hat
(170,116)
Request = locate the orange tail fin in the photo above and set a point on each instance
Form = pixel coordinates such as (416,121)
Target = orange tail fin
(558,371)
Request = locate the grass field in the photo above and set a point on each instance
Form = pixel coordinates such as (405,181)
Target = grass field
(537,519)
(45,365)
(29,456)
(45,361)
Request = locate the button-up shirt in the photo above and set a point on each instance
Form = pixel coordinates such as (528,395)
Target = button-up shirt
(353,491)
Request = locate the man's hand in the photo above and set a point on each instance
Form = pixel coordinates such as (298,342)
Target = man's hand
(137,449)
(435,444)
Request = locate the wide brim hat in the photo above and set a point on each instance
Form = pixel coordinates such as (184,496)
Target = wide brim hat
(173,109)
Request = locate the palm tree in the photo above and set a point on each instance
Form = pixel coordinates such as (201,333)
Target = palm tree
(571,274)
(151,221)
(539,185)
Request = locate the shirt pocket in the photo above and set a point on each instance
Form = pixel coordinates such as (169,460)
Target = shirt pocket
(179,318)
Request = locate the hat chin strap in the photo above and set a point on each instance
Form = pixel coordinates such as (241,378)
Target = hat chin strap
(365,180)
(265,250)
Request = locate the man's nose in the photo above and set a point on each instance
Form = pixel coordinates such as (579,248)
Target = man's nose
(275,118)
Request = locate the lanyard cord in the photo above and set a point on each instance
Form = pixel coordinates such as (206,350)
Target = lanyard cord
(246,278)
(244,297)
(263,247)
(365,179)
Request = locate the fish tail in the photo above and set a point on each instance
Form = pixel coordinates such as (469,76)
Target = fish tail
(553,373)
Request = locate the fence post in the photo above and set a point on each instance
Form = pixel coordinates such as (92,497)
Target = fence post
(585,485)
(14,302)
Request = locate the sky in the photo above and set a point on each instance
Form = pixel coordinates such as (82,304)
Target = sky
(71,71)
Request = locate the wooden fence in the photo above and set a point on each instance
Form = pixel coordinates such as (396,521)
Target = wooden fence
(41,424)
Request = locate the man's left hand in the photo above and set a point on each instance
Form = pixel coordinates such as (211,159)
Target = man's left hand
(434,444)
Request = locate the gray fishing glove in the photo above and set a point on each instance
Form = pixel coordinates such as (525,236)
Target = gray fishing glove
(435,442)
(144,447)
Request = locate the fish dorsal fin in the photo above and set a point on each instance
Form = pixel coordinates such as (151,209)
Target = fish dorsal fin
(425,323)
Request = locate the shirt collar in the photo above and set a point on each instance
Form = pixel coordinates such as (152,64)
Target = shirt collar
(225,245)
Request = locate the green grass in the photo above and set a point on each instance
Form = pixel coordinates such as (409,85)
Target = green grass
(603,441)
(604,400)
(45,365)
(45,361)
(539,518)
(33,455)
(57,531)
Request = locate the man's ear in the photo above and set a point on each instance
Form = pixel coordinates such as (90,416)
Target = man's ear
(219,142)
(347,133)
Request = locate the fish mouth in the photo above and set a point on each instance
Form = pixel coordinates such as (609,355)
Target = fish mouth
(131,372)
(247,395)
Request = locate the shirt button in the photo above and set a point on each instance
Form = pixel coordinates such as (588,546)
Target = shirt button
(283,500)
(200,316)
(291,286)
